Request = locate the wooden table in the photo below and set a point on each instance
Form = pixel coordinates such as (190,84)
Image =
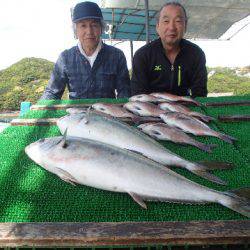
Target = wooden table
(124,234)
(65,234)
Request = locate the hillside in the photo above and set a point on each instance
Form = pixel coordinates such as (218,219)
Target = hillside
(235,80)
(26,80)
(23,81)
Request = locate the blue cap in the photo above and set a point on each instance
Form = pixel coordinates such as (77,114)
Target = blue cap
(86,10)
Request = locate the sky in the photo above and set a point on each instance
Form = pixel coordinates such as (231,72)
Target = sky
(42,29)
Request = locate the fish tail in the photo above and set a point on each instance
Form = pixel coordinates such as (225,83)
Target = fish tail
(137,120)
(205,147)
(204,118)
(195,102)
(202,169)
(209,118)
(213,165)
(208,176)
(237,200)
(226,138)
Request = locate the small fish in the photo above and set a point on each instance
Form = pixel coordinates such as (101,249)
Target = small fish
(102,166)
(193,126)
(145,98)
(113,110)
(143,108)
(92,125)
(162,131)
(168,106)
(175,98)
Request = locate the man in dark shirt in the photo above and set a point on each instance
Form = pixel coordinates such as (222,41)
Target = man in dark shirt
(170,64)
(91,69)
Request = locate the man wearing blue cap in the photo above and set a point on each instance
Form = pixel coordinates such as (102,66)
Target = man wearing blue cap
(91,69)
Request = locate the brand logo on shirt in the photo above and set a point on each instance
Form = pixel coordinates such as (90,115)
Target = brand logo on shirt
(157,68)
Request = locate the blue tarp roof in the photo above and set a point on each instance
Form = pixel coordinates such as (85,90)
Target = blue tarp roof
(206,19)
(129,24)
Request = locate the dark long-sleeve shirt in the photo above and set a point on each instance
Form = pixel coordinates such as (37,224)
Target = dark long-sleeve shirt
(108,75)
(153,72)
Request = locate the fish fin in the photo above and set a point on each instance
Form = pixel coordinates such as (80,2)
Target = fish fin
(237,200)
(66,176)
(203,118)
(195,102)
(209,118)
(188,100)
(183,117)
(136,152)
(153,135)
(226,138)
(242,192)
(138,199)
(63,142)
(206,147)
(86,118)
(211,165)
(137,119)
(208,176)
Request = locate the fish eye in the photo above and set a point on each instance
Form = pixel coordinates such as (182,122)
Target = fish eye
(137,108)
(102,109)
(42,140)
(156,132)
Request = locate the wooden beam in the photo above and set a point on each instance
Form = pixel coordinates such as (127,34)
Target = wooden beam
(229,103)
(34,122)
(233,118)
(52,121)
(124,233)
(64,106)
(9,115)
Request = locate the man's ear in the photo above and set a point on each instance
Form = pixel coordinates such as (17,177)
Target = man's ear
(185,30)
(74,30)
(185,26)
(156,28)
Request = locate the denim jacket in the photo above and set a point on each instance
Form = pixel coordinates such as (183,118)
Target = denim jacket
(108,75)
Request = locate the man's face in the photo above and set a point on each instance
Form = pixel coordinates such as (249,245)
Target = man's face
(172,26)
(88,32)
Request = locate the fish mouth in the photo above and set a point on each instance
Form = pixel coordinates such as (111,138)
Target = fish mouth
(33,152)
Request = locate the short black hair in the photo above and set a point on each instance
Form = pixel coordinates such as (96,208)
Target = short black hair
(175,3)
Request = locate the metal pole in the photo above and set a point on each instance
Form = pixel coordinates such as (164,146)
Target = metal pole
(131,51)
(146,21)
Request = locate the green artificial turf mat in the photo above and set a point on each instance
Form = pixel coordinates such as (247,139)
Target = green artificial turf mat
(238,129)
(223,99)
(44,114)
(79,101)
(28,193)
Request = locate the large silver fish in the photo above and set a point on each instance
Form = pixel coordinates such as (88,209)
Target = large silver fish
(162,131)
(175,98)
(192,125)
(168,106)
(103,166)
(92,125)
